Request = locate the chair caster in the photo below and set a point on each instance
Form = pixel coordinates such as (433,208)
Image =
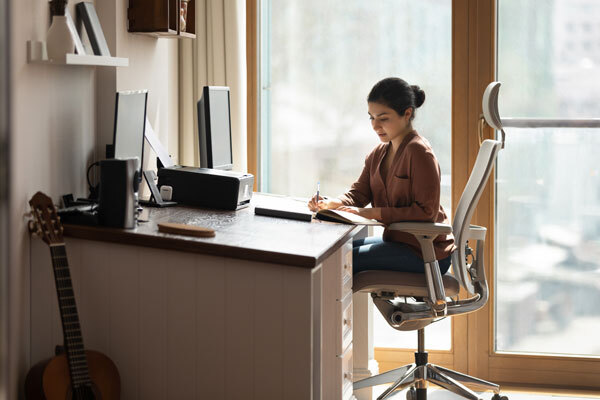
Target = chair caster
(497,396)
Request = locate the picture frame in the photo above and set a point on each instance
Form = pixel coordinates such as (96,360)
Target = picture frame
(87,12)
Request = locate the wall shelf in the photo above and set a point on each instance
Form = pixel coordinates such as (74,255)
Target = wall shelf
(160,18)
(36,54)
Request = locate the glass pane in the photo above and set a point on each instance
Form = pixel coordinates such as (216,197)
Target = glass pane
(548,180)
(320,60)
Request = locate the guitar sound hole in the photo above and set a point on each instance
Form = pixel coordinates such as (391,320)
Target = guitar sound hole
(84,392)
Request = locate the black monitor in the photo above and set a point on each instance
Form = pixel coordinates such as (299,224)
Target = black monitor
(130,120)
(214,128)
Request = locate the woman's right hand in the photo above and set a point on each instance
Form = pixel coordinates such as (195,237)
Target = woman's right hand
(323,203)
(314,203)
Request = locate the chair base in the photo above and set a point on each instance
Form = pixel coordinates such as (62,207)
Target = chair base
(418,376)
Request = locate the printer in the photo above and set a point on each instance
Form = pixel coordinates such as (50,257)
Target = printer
(206,187)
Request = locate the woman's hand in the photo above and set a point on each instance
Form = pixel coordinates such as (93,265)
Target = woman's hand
(323,203)
(370,213)
(313,203)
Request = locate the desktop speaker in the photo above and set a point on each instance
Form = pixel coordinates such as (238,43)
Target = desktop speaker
(118,200)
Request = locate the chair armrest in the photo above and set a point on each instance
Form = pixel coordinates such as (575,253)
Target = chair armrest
(425,233)
(421,228)
(476,232)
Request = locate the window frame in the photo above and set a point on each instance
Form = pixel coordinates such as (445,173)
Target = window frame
(474,25)
(252,69)
(575,372)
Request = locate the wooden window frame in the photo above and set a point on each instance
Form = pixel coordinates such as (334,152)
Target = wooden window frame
(252,65)
(473,68)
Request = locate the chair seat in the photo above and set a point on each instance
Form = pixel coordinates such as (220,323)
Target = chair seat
(401,283)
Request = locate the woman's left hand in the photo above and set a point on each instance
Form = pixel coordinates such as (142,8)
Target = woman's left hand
(353,210)
(371,213)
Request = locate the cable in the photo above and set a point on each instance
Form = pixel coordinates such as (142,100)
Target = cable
(93,189)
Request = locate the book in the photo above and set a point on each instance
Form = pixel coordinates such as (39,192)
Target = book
(88,15)
(345,217)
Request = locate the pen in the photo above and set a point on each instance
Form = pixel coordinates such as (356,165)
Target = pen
(318,187)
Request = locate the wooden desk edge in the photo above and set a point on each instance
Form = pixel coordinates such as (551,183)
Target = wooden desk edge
(193,245)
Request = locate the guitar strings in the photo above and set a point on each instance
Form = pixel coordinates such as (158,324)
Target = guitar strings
(73,343)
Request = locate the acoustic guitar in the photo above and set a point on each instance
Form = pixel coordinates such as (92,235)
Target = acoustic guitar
(76,373)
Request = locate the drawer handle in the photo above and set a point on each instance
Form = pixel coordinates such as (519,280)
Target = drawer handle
(348,376)
(347,321)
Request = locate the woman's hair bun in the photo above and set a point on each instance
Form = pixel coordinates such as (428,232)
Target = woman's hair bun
(419,95)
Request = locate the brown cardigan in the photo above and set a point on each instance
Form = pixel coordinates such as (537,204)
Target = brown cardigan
(411,191)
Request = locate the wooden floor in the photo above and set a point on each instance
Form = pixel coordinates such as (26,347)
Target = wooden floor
(511,391)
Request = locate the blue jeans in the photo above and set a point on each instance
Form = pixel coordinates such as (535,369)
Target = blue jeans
(373,253)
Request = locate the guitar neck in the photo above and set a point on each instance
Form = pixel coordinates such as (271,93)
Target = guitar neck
(73,339)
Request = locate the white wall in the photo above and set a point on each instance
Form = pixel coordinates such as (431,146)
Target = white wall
(62,118)
(153,65)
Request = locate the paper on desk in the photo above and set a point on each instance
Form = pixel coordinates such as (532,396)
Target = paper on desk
(157,146)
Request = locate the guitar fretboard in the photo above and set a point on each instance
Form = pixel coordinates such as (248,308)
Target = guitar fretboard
(78,366)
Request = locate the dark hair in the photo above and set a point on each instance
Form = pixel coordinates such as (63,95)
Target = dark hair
(398,95)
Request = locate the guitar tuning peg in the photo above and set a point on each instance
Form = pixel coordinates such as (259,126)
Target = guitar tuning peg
(31,226)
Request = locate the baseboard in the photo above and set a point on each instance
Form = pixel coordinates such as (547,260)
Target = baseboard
(362,373)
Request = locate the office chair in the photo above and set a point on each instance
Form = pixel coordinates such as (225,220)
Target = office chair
(411,301)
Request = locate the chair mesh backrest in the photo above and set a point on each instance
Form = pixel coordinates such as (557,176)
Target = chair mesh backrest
(466,206)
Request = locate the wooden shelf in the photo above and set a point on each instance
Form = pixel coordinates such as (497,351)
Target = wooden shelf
(169,35)
(160,18)
(36,54)
(187,35)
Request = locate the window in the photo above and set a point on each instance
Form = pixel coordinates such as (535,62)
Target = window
(319,61)
(548,182)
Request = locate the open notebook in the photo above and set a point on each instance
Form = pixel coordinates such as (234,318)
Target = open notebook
(292,208)
(344,217)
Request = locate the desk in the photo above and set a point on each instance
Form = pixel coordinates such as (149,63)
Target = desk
(261,311)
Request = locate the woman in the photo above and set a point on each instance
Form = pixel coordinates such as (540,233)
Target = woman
(401,180)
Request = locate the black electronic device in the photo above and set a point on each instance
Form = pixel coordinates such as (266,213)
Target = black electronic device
(206,187)
(118,200)
(79,214)
(300,215)
(214,128)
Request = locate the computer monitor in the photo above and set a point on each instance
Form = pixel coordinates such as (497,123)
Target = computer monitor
(130,119)
(214,128)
